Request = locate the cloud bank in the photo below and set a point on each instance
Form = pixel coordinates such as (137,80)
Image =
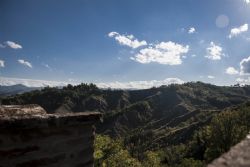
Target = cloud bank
(115,85)
(4,81)
(243,81)
(140,84)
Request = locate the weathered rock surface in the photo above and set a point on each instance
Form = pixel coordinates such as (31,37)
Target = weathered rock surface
(238,156)
(30,137)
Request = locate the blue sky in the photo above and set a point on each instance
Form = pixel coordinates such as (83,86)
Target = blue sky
(115,42)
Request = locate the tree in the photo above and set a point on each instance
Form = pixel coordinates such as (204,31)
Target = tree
(109,152)
(226,131)
(190,162)
(152,159)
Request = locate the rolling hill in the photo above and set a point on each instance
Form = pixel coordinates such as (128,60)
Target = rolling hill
(149,119)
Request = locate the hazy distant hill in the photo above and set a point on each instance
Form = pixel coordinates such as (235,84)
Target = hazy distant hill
(15,89)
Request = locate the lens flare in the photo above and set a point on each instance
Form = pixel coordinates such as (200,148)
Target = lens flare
(222,21)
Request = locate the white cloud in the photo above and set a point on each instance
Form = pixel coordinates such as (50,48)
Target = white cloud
(13,45)
(202,41)
(245,66)
(214,52)
(247,1)
(168,53)
(127,40)
(25,63)
(210,77)
(47,66)
(140,84)
(191,30)
(243,81)
(232,71)
(2,63)
(238,30)
(112,34)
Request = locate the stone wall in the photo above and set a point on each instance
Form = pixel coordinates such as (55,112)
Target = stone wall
(30,138)
(237,156)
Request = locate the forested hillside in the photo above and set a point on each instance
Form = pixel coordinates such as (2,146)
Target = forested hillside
(175,125)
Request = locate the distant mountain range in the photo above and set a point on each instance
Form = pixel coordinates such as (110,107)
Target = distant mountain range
(15,89)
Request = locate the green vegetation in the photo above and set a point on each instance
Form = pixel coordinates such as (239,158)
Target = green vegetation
(109,152)
(171,126)
(226,129)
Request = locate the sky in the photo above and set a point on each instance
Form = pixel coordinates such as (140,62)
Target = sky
(124,44)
